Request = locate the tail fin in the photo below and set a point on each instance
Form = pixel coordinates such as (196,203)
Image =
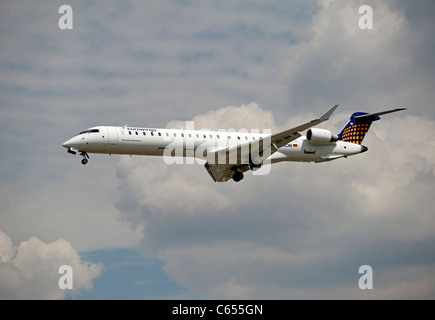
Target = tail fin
(355,130)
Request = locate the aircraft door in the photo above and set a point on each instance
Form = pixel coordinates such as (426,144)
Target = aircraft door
(113,135)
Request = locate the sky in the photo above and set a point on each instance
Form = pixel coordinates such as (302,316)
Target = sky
(138,228)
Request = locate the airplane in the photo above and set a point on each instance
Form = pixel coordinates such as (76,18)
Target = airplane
(229,155)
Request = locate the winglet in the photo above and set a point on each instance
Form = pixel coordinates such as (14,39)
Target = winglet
(328,114)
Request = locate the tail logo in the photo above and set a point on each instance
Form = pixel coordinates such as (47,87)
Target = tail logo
(355,133)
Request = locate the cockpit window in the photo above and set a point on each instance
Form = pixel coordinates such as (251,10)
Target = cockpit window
(90,131)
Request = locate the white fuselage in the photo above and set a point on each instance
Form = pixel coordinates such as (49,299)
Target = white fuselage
(196,143)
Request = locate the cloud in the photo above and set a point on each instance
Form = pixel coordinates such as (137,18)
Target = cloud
(294,228)
(63,205)
(361,68)
(6,248)
(246,117)
(31,270)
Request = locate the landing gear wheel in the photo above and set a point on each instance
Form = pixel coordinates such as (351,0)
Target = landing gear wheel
(238,176)
(84,161)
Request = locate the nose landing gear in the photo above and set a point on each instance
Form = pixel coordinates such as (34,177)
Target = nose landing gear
(84,154)
(85,157)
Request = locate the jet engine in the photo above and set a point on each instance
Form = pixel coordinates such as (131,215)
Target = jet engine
(254,163)
(321,136)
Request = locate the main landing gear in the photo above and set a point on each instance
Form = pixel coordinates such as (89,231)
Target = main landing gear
(85,157)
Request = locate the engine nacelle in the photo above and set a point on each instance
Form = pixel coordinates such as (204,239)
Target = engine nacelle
(321,136)
(254,163)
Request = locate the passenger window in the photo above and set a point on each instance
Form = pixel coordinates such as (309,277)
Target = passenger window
(160,134)
(246,138)
(197,135)
(152,133)
(238,138)
(182,135)
(129,132)
(175,134)
(204,136)
(218,137)
(167,134)
(137,133)
(229,137)
(144,133)
(190,136)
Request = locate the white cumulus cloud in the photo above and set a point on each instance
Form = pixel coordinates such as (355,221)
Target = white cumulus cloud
(31,270)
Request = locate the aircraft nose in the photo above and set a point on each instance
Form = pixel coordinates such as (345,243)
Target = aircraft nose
(364,149)
(67,144)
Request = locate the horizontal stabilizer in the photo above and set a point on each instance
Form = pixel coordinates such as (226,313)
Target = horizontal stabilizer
(374,116)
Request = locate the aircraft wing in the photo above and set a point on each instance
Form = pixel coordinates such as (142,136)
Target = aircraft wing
(222,163)
(282,138)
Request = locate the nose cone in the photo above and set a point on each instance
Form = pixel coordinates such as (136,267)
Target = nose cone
(364,149)
(67,144)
